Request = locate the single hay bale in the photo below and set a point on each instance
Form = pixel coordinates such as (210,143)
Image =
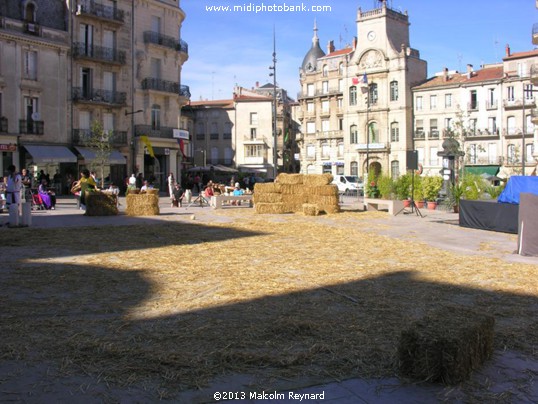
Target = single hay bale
(142,205)
(152,191)
(292,189)
(293,207)
(290,179)
(315,180)
(325,190)
(446,345)
(260,197)
(323,200)
(269,187)
(269,208)
(100,204)
(310,209)
(330,209)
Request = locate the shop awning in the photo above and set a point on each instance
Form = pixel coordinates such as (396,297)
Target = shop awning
(88,154)
(479,170)
(50,154)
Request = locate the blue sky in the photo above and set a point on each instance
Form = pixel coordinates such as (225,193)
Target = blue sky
(228,48)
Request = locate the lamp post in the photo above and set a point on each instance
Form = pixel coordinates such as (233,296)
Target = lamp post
(133,149)
(273,74)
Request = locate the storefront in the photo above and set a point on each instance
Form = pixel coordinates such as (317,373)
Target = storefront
(114,169)
(10,155)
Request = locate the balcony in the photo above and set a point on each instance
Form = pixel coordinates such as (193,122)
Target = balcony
(330,134)
(82,137)
(3,124)
(98,96)
(30,127)
(434,134)
(372,147)
(534,74)
(472,106)
(83,50)
(491,105)
(534,116)
(482,133)
(535,33)
(149,131)
(419,135)
(518,103)
(155,84)
(32,28)
(151,37)
(100,11)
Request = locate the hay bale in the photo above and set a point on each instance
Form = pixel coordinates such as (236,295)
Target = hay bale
(270,208)
(142,204)
(446,345)
(100,204)
(290,179)
(288,189)
(269,187)
(329,209)
(323,200)
(315,180)
(325,190)
(310,209)
(260,197)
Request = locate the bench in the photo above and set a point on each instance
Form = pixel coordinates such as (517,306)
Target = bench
(217,200)
(393,206)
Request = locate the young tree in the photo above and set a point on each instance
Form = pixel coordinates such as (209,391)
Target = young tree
(99,143)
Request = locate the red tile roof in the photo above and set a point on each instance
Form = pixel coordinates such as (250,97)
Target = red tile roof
(487,74)
(213,103)
(339,52)
(518,55)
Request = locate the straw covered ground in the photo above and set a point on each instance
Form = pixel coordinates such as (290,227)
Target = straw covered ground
(179,303)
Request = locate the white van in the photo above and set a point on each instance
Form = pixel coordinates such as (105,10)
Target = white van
(346,183)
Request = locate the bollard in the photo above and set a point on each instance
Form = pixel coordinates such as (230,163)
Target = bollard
(26,214)
(14,215)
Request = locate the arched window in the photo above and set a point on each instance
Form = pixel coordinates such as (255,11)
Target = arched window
(394,132)
(395,169)
(311,169)
(325,70)
(341,69)
(155,117)
(353,134)
(511,153)
(373,133)
(29,12)
(353,95)
(394,90)
(354,168)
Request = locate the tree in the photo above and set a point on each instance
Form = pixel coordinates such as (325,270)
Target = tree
(99,143)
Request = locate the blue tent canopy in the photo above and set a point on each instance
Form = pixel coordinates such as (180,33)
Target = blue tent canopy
(517,185)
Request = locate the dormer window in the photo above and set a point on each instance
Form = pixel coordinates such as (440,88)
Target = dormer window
(29,12)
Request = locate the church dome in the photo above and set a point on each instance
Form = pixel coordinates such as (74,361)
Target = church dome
(311,59)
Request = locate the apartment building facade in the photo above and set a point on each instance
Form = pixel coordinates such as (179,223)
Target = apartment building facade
(355,103)
(116,63)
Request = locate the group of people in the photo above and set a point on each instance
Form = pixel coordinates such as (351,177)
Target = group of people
(18,187)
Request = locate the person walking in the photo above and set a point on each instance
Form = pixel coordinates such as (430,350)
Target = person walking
(13,188)
(171,183)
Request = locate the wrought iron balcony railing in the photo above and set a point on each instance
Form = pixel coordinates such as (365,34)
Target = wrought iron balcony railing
(99,96)
(82,137)
(91,8)
(31,127)
(3,124)
(152,83)
(161,132)
(99,53)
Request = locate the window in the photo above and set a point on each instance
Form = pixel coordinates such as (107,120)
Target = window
(340,150)
(528,92)
(418,104)
(310,107)
(340,123)
(32,106)
(529,151)
(472,154)
(84,120)
(214,155)
(511,124)
(419,129)
(253,133)
(433,102)
(325,70)
(492,153)
(510,93)
(353,95)
(109,39)
(529,126)
(311,152)
(30,65)
(394,91)
(325,87)
(254,150)
(420,155)
(29,13)
(395,169)
(448,123)
(434,159)
(373,133)
(340,103)
(394,132)
(473,104)
(340,85)
(156,24)
(311,127)
(492,125)
(228,155)
(214,135)
(372,94)
(325,151)
(227,131)
(155,66)
(341,69)
(325,126)
(253,118)
(310,90)
(325,105)
(353,134)
(434,131)
(472,126)
(354,168)
(108,122)
(492,99)
(86,39)
(86,78)
(448,100)
(511,154)
(156,117)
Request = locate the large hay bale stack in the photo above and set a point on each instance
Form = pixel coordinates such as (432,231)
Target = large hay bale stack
(292,191)
(146,204)
(446,345)
(100,204)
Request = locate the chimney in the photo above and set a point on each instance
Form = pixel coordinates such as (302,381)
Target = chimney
(330,47)
(354,43)
(257,84)
(469,71)
(445,74)
(507,50)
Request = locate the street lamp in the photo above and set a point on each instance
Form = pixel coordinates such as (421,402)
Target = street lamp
(133,150)
(273,74)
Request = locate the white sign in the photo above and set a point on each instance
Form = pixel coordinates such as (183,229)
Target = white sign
(297,156)
(371,146)
(180,134)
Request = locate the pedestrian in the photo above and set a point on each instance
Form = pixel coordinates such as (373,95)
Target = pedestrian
(13,187)
(26,179)
(87,184)
(171,183)
(177,194)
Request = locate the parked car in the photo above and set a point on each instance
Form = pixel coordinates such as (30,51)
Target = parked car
(349,183)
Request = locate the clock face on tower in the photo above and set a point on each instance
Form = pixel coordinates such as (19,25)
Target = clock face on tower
(371,35)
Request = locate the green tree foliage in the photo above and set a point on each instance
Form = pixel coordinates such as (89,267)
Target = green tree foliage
(99,143)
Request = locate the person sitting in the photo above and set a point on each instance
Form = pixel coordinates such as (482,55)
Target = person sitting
(177,194)
(145,187)
(237,192)
(48,197)
(208,192)
(86,184)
